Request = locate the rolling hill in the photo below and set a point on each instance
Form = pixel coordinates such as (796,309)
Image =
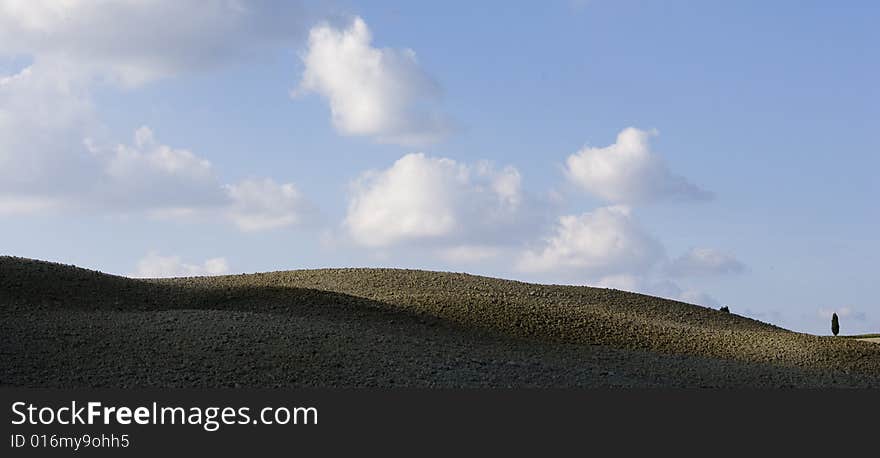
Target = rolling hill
(63,326)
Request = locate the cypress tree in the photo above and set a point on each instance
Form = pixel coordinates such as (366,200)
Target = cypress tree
(835,324)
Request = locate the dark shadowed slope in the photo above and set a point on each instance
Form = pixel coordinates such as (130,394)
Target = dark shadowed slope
(65,326)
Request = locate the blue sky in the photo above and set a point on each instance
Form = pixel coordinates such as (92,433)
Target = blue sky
(722,153)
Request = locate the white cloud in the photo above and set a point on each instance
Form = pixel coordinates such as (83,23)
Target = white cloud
(135,41)
(604,242)
(48,156)
(53,151)
(46,110)
(469,254)
(147,154)
(262,204)
(628,172)
(175,183)
(43,117)
(699,298)
(378,92)
(623,282)
(24,205)
(704,261)
(154,265)
(661,288)
(842,312)
(156,176)
(421,197)
(163,182)
(607,247)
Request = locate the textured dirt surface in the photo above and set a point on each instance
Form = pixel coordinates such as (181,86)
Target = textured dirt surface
(62,326)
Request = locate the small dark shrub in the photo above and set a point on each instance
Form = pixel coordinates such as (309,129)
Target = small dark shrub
(724,309)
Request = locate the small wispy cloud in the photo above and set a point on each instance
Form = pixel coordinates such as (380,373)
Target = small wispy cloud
(154,265)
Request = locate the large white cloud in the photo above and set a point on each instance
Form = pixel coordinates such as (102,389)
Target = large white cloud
(648,284)
(154,265)
(378,92)
(470,254)
(52,156)
(422,197)
(148,155)
(158,180)
(43,118)
(705,261)
(608,248)
(149,174)
(628,172)
(263,204)
(175,182)
(134,41)
(605,242)
(45,113)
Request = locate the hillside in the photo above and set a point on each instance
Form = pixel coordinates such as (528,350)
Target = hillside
(65,326)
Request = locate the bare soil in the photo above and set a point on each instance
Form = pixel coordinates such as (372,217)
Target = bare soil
(62,326)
